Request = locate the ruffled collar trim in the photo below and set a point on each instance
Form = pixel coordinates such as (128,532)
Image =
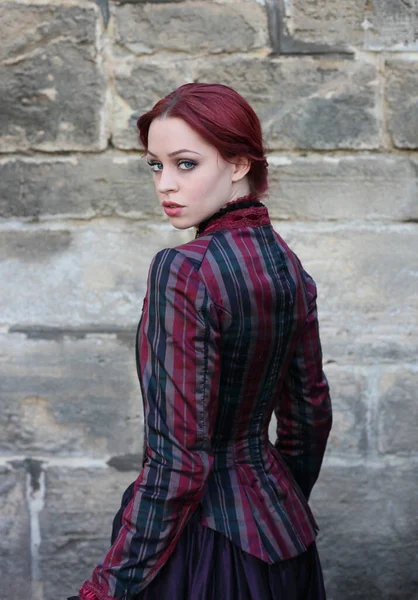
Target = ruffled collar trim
(247,211)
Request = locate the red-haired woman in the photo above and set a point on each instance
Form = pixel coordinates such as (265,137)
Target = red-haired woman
(228,334)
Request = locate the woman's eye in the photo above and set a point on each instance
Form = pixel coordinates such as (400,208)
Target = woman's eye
(155,166)
(187,165)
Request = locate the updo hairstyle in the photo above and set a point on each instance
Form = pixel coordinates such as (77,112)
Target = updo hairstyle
(220,116)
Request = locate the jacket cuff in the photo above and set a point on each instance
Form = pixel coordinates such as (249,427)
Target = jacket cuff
(89,591)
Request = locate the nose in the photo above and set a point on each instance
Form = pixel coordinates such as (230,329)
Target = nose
(167,181)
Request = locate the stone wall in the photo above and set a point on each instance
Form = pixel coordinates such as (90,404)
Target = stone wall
(335,83)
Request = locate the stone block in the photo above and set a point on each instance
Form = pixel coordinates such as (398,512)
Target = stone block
(192,27)
(320,188)
(368,187)
(52,86)
(81,187)
(348,389)
(391,25)
(139,84)
(302,103)
(305,103)
(368,522)
(146,1)
(74,275)
(401,94)
(336,23)
(70,395)
(371,342)
(365,274)
(94,275)
(15,536)
(76,524)
(398,411)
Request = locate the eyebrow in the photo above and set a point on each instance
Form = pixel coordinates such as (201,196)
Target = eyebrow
(176,152)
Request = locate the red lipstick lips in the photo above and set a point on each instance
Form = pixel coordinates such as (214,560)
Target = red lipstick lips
(172,209)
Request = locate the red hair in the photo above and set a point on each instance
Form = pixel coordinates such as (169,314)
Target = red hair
(223,118)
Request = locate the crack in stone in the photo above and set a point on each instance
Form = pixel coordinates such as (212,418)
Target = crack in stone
(104,7)
(33,467)
(58,333)
(282,43)
(126,462)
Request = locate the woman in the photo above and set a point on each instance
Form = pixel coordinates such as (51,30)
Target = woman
(228,334)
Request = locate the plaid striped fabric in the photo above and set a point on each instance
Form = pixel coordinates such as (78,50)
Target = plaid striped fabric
(228,334)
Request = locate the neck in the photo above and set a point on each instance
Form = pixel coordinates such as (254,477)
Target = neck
(241,203)
(241,189)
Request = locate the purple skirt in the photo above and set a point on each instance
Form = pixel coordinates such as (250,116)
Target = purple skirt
(206,565)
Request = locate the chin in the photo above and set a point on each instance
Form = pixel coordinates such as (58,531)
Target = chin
(182,225)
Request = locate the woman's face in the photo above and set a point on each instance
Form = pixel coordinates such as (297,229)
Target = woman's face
(191,178)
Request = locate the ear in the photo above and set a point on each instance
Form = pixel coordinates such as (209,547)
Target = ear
(242,165)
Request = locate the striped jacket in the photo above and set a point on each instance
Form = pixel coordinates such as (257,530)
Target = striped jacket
(228,334)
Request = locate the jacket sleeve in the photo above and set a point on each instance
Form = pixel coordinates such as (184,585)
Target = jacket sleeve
(178,367)
(304,414)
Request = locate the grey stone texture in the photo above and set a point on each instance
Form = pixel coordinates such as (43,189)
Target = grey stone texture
(96,274)
(72,276)
(76,524)
(138,85)
(367,542)
(61,107)
(349,387)
(371,187)
(15,535)
(402,99)
(341,188)
(335,85)
(306,103)
(319,22)
(69,396)
(354,284)
(79,186)
(356,341)
(327,26)
(302,103)
(391,25)
(398,405)
(183,27)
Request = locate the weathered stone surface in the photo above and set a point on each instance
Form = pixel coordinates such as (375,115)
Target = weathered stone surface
(370,187)
(51,85)
(333,22)
(391,25)
(398,411)
(191,27)
(74,276)
(14,536)
(368,543)
(402,94)
(355,285)
(146,1)
(95,274)
(78,186)
(305,103)
(370,342)
(70,396)
(302,103)
(348,389)
(138,86)
(76,524)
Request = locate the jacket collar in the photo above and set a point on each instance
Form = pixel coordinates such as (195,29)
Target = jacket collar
(246,211)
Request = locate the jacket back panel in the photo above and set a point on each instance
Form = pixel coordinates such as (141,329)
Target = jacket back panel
(258,289)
